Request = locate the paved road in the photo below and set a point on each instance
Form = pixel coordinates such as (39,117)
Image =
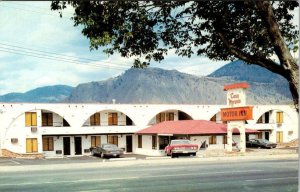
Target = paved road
(142,176)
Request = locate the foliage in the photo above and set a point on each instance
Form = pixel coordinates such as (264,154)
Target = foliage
(253,31)
(149,29)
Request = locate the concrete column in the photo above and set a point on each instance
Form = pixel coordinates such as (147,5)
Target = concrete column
(242,139)
(229,139)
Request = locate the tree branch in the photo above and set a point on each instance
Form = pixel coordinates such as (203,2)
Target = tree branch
(253,59)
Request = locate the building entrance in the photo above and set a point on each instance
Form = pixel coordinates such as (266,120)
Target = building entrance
(66,143)
(78,147)
(128,143)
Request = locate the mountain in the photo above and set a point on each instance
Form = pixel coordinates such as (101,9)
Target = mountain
(263,82)
(158,86)
(47,94)
(154,85)
(151,85)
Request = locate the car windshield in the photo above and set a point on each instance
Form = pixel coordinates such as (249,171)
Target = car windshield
(263,141)
(110,147)
(180,142)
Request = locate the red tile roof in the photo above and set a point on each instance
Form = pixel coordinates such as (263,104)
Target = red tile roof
(189,127)
(236,86)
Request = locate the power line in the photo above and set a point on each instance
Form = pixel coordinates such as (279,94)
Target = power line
(33,11)
(8,50)
(37,7)
(55,55)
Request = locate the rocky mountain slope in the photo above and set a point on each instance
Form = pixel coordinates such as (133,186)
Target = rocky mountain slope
(155,85)
(158,86)
(47,94)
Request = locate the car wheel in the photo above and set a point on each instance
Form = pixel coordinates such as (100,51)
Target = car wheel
(193,154)
(173,155)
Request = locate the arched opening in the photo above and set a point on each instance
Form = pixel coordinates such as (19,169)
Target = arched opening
(217,118)
(52,119)
(169,115)
(264,118)
(109,118)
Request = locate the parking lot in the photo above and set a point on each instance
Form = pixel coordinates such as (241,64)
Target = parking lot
(65,160)
(128,157)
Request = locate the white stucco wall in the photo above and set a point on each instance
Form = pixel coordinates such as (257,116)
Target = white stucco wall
(12,117)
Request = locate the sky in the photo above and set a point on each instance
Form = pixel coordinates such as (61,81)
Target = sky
(30,32)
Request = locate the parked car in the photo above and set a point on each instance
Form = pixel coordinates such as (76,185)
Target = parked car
(180,147)
(260,143)
(106,150)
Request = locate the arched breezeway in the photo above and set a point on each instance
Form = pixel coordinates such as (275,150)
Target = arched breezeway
(108,117)
(30,123)
(169,115)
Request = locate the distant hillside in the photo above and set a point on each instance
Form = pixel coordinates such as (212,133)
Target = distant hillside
(155,85)
(150,85)
(47,94)
(158,86)
(263,82)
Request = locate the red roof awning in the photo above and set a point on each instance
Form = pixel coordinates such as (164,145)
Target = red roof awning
(236,86)
(188,127)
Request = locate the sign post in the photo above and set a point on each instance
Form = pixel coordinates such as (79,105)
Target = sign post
(236,113)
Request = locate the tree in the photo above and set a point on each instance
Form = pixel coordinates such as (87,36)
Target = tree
(253,31)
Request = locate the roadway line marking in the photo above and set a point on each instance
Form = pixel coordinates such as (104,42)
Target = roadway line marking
(15,162)
(126,178)
(74,181)
(273,178)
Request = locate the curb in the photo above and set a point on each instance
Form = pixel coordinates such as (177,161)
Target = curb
(123,159)
(54,157)
(158,157)
(25,157)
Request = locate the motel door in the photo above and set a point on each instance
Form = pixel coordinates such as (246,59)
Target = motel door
(78,147)
(128,143)
(66,142)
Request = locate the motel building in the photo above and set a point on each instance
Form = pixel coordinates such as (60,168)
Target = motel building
(57,130)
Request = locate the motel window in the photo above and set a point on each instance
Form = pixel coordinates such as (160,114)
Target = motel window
(112,139)
(224,139)
(170,116)
(48,144)
(30,119)
(213,139)
(95,141)
(31,145)
(154,142)
(47,119)
(112,118)
(279,117)
(95,119)
(160,117)
(259,135)
(140,141)
(279,137)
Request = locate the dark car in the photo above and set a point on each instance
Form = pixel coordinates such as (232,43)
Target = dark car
(260,143)
(106,150)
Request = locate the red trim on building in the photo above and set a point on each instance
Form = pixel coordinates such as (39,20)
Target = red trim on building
(236,86)
(189,127)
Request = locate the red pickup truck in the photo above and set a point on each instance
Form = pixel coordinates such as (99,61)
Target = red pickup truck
(181,146)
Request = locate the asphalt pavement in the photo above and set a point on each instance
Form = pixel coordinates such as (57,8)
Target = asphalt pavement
(276,174)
